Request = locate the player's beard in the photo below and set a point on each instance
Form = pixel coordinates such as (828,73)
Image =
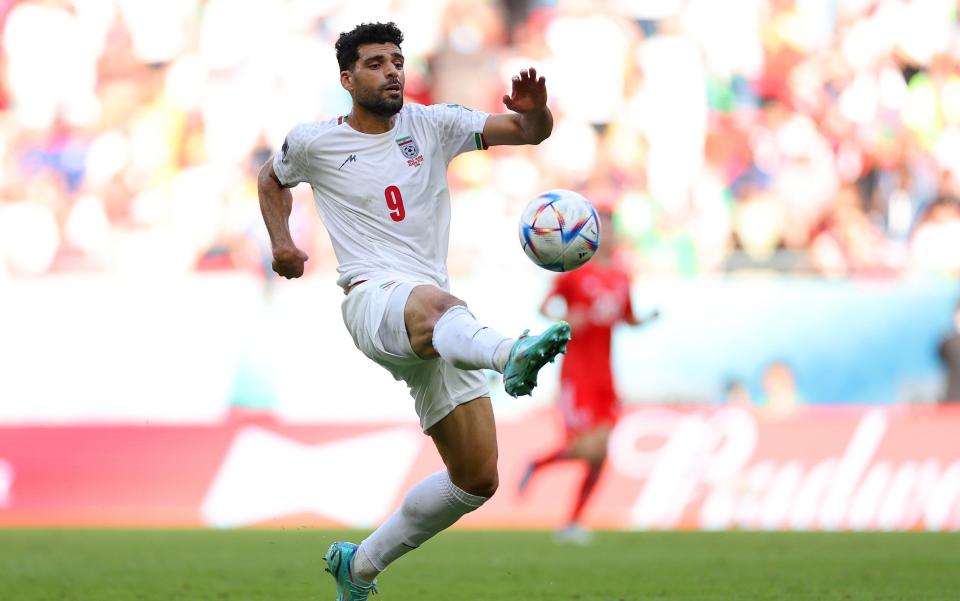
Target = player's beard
(377,104)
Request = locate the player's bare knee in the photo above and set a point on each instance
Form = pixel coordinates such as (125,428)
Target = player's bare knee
(483,482)
(427,328)
(596,461)
(484,485)
(598,454)
(441,304)
(427,304)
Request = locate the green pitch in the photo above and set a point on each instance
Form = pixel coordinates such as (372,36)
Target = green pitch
(275,565)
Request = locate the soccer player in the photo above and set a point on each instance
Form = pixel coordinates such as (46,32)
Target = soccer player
(379,179)
(597,298)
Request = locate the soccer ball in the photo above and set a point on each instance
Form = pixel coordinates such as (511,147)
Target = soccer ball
(559,230)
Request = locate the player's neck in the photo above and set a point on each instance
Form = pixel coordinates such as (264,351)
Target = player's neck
(368,123)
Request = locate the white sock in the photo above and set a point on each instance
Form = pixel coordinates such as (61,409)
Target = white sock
(431,506)
(462,341)
(363,569)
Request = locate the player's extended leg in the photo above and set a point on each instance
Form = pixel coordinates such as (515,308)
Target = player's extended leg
(436,317)
(572,419)
(561,454)
(590,447)
(439,324)
(467,442)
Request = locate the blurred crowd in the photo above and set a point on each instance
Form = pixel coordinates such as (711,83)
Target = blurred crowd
(781,136)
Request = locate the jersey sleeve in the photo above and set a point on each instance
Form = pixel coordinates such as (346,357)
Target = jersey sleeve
(460,128)
(291,164)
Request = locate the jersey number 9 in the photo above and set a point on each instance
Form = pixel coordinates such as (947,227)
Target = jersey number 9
(394,203)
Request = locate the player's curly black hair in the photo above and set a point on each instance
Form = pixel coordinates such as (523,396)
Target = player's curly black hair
(365,33)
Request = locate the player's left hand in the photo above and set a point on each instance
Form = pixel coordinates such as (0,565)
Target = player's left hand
(528,94)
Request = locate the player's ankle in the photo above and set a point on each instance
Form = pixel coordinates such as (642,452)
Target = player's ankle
(364,572)
(502,353)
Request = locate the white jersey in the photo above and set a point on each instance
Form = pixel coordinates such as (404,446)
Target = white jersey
(384,197)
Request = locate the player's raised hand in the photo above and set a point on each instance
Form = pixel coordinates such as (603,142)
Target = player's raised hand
(288,262)
(528,93)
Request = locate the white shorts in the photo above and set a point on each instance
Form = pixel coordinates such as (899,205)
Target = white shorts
(373,312)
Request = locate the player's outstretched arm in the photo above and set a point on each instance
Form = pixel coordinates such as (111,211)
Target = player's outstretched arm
(276,203)
(531,120)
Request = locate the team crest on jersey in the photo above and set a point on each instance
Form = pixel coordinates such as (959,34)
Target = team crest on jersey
(410,150)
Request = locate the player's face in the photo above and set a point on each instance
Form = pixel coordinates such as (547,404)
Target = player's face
(376,82)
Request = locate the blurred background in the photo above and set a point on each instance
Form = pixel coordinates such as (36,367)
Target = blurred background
(785,176)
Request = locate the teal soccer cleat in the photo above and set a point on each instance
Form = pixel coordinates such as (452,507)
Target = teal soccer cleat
(529,354)
(339,560)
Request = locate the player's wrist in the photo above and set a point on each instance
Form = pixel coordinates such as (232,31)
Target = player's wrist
(285,251)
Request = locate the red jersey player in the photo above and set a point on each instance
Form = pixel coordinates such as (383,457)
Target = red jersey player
(597,298)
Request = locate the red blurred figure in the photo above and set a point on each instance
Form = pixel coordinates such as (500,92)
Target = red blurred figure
(597,298)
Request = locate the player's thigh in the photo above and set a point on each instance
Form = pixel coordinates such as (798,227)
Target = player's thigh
(466,439)
(425,305)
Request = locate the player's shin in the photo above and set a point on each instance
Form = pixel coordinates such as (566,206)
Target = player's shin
(587,486)
(460,339)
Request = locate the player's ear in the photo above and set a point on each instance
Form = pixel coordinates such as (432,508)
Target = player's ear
(346,80)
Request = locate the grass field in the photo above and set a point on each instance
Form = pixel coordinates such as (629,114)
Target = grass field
(166,565)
